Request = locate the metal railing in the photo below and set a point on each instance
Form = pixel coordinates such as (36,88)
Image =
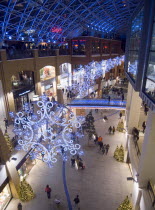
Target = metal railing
(63,52)
(13,54)
(46,52)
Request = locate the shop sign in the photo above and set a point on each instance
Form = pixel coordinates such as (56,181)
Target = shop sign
(24,93)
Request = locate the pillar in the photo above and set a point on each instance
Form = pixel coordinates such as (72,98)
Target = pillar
(132,119)
(14,179)
(146,164)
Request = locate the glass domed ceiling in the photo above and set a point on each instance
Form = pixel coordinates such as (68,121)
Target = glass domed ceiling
(38,20)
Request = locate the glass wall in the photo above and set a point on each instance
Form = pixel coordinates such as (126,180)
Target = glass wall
(134,44)
(79,47)
(95,46)
(106,48)
(150,74)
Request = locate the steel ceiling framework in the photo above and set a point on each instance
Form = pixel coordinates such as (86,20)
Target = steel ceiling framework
(32,20)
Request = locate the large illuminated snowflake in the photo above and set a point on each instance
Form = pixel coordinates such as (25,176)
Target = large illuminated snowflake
(48,130)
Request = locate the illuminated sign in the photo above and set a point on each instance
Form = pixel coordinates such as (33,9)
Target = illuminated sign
(24,93)
(56,29)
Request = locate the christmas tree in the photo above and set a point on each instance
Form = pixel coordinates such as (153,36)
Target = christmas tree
(116,153)
(120,126)
(126,205)
(8,142)
(25,191)
(119,154)
(89,126)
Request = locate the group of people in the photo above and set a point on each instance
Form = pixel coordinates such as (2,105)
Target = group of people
(78,162)
(103,147)
(57,201)
(111,130)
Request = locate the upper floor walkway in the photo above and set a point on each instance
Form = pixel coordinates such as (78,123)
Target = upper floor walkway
(98,103)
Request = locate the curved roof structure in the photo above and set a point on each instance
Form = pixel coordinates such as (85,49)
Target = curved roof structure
(37,20)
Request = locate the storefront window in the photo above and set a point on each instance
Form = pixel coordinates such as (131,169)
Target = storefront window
(5,197)
(65,75)
(150,74)
(135,39)
(48,81)
(25,169)
(114,48)
(95,47)
(106,48)
(79,47)
(24,79)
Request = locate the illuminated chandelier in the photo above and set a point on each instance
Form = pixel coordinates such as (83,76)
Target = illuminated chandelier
(45,129)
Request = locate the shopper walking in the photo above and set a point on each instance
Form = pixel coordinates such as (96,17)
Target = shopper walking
(19,206)
(6,123)
(122,97)
(77,202)
(100,143)
(73,161)
(113,130)
(110,130)
(146,109)
(107,148)
(96,139)
(109,99)
(120,115)
(99,139)
(48,191)
(144,126)
(103,149)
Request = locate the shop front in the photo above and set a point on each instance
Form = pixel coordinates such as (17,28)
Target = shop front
(24,166)
(23,88)
(65,78)
(48,81)
(23,96)
(5,192)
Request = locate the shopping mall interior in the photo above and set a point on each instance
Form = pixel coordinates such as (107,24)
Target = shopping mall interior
(77,97)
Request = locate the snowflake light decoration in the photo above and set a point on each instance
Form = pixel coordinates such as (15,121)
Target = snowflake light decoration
(45,129)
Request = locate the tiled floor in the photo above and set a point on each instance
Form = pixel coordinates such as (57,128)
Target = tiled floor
(102,185)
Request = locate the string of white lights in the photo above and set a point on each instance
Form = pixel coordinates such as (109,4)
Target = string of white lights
(89,73)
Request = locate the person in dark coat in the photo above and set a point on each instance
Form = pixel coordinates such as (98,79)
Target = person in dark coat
(113,130)
(110,130)
(73,161)
(77,201)
(103,149)
(19,206)
(107,148)
(122,97)
(100,143)
(144,126)
(120,115)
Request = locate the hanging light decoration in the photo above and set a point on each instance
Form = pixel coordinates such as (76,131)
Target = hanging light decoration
(89,73)
(45,129)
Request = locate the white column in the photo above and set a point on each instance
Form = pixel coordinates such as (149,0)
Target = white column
(134,111)
(147,160)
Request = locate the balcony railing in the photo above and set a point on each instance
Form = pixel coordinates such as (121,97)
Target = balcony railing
(46,53)
(63,52)
(13,54)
